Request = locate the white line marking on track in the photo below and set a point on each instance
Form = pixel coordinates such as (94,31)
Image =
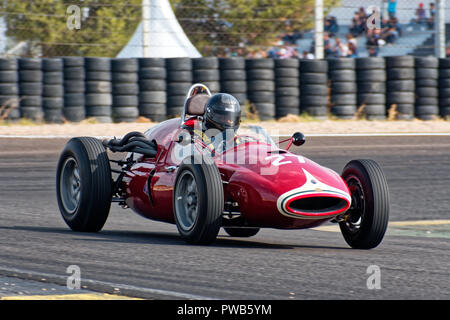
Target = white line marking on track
(35,276)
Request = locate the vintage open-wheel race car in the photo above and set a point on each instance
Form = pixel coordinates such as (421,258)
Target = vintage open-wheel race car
(170,174)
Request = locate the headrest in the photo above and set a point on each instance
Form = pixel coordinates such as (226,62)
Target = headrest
(195,105)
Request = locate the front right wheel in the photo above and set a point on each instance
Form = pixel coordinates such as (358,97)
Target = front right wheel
(366,221)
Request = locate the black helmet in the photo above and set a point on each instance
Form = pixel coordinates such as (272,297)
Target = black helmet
(222,111)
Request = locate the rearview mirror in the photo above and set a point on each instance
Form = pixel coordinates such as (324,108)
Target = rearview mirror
(298,139)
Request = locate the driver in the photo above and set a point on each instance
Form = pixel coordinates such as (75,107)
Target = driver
(221,120)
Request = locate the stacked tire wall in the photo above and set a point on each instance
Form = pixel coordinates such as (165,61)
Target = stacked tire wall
(233,78)
(53,90)
(9,90)
(400,86)
(74,89)
(314,88)
(444,88)
(371,87)
(261,86)
(179,79)
(343,87)
(125,97)
(152,88)
(30,89)
(427,91)
(287,89)
(119,90)
(98,89)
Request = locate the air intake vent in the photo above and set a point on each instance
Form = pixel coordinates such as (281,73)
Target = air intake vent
(317,204)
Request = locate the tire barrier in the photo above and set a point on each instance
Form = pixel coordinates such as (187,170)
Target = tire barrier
(53,90)
(9,90)
(371,87)
(427,91)
(342,75)
(98,89)
(75,88)
(314,88)
(30,89)
(233,78)
(152,88)
(400,86)
(287,89)
(206,71)
(179,79)
(125,98)
(444,88)
(261,86)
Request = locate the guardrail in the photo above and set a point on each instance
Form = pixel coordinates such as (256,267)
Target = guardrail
(117,90)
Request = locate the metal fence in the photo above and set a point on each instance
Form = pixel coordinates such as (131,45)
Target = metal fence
(226,28)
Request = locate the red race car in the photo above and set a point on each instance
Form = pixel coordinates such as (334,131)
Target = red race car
(239,179)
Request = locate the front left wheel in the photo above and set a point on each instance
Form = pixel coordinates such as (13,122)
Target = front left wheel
(84,184)
(198,200)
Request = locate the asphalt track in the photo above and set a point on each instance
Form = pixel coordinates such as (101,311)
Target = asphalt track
(141,258)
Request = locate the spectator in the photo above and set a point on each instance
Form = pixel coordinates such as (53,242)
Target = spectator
(352,45)
(420,14)
(431,18)
(392,8)
(307,55)
(331,26)
(372,43)
(356,26)
(341,49)
(328,49)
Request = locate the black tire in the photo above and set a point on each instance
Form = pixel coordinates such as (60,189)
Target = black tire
(233,75)
(126,89)
(53,90)
(434,83)
(30,75)
(105,87)
(7,89)
(286,73)
(370,204)
(34,113)
(287,82)
(124,65)
(260,85)
(372,98)
(52,102)
(125,101)
(8,64)
(400,85)
(287,63)
(444,63)
(153,85)
(259,64)
(8,76)
(53,77)
(374,75)
(179,76)
(30,64)
(312,100)
(343,99)
(124,77)
(205,63)
(286,91)
(152,108)
(89,157)
(261,96)
(152,73)
(177,88)
(371,87)
(74,114)
(98,99)
(428,92)
(235,86)
(313,78)
(74,73)
(74,86)
(52,65)
(73,62)
(346,112)
(427,73)
(370,63)
(98,76)
(125,112)
(313,66)
(400,74)
(97,64)
(203,75)
(287,102)
(400,62)
(98,111)
(341,64)
(152,97)
(179,64)
(342,75)
(426,62)
(260,74)
(152,62)
(241,232)
(236,63)
(74,99)
(209,198)
(343,87)
(400,97)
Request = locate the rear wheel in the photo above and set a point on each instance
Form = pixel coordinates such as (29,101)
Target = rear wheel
(366,221)
(242,232)
(198,200)
(83,184)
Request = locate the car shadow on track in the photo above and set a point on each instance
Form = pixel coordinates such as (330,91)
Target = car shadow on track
(160,238)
